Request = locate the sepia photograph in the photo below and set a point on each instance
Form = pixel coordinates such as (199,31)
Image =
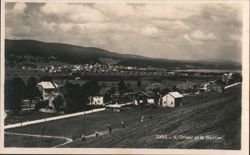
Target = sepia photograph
(139,75)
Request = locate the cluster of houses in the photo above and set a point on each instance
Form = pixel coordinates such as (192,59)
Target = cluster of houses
(83,69)
(50,90)
(169,98)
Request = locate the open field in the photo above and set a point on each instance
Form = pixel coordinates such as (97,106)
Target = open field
(206,114)
(26,141)
(27,116)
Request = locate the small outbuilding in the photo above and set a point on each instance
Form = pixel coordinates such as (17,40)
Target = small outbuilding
(172,99)
(97,100)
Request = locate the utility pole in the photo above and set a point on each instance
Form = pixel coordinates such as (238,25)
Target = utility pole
(84,123)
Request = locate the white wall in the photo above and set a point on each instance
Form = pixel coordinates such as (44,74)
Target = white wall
(97,100)
(168,101)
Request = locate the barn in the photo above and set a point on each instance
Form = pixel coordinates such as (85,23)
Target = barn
(172,99)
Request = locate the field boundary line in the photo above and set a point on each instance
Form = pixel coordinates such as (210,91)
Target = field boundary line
(52,118)
(232,85)
(67,140)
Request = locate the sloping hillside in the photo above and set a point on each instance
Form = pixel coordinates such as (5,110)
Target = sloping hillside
(77,54)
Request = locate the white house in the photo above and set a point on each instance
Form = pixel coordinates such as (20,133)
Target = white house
(97,100)
(172,99)
(151,101)
(47,89)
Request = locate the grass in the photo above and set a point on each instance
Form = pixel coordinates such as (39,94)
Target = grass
(203,114)
(219,117)
(27,116)
(24,141)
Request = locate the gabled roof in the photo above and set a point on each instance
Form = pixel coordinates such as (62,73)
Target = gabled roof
(47,85)
(175,94)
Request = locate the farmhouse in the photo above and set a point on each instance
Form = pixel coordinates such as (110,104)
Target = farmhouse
(172,99)
(47,89)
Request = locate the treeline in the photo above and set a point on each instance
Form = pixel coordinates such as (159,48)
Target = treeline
(16,90)
(75,96)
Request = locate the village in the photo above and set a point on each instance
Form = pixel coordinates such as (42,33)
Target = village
(122,95)
(127,75)
(108,111)
(55,96)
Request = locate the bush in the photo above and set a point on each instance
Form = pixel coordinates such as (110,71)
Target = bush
(41,104)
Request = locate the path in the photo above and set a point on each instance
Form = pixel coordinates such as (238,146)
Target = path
(68,140)
(232,85)
(51,118)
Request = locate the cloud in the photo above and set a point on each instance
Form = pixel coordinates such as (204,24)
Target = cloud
(149,30)
(176,24)
(179,30)
(169,11)
(116,9)
(19,7)
(73,12)
(199,35)
(234,37)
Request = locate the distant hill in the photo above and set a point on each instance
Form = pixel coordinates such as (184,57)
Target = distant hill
(77,54)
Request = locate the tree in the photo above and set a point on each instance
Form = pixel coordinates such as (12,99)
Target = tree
(164,91)
(122,87)
(7,94)
(73,97)
(91,88)
(46,78)
(174,88)
(108,94)
(139,83)
(32,90)
(107,97)
(16,92)
(58,103)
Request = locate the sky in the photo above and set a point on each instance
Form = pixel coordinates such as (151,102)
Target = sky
(192,31)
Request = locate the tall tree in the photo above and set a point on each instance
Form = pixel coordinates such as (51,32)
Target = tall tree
(74,97)
(107,96)
(122,87)
(139,83)
(58,103)
(17,93)
(91,88)
(46,78)
(32,90)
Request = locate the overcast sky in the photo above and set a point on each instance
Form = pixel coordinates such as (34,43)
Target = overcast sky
(160,30)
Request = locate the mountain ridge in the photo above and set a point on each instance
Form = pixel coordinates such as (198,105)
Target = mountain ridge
(80,54)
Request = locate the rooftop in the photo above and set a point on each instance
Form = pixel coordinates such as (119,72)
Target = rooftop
(176,94)
(47,85)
